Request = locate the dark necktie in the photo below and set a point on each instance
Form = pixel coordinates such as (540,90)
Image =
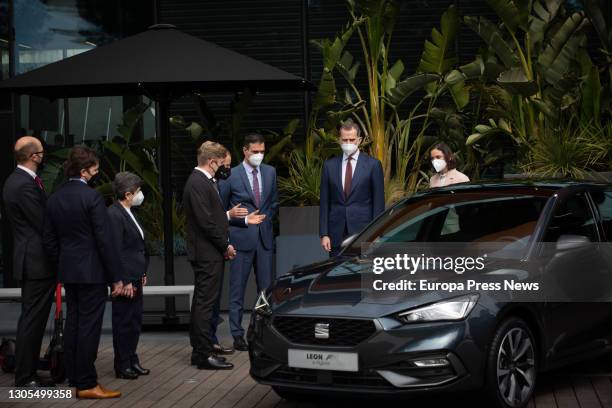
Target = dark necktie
(256,192)
(348,177)
(39,183)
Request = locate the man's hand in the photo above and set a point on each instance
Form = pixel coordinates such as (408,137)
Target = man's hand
(128,291)
(230,253)
(238,212)
(117,288)
(255,218)
(143,280)
(326,243)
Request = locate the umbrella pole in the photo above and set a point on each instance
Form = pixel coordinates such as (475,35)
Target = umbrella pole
(165,150)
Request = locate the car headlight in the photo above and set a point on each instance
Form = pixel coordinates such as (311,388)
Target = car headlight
(262,305)
(450,309)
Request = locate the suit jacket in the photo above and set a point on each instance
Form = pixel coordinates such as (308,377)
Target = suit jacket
(365,201)
(207,224)
(24,203)
(131,245)
(237,189)
(78,236)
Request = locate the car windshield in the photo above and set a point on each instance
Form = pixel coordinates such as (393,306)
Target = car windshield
(507,218)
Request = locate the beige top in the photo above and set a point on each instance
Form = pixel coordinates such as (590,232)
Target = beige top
(453,176)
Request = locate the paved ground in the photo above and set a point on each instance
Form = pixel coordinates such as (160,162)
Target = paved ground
(174,383)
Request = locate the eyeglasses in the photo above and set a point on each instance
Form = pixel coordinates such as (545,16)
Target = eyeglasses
(41,152)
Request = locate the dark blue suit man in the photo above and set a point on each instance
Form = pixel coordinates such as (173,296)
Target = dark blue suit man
(79,242)
(352,191)
(253,186)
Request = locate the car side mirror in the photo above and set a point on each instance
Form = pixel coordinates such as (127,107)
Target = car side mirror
(348,241)
(568,241)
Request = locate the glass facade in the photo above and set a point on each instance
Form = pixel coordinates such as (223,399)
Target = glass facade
(46,31)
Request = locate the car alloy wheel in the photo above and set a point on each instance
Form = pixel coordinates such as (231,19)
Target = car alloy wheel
(516,371)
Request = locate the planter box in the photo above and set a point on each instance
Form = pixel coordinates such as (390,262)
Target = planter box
(298,243)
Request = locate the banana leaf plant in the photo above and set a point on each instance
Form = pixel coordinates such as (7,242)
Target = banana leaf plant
(536,54)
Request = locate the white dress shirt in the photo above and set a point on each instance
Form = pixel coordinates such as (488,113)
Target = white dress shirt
(353,164)
(135,222)
(30,172)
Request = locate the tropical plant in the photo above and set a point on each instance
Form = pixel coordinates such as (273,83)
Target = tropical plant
(537,67)
(140,157)
(567,149)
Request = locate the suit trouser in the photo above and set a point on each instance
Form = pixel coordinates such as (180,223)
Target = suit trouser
(207,278)
(259,259)
(36,299)
(216,318)
(85,304)
(127,325)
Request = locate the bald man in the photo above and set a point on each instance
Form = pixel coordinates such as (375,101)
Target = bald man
(24,201)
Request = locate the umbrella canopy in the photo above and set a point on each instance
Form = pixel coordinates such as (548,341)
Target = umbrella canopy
(156,62)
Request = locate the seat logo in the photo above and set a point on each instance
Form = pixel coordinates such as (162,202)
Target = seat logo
(321,331)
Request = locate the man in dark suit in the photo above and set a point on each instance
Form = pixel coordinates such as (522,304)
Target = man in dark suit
(24,202)
(78,240)
(253,186)
(207,247)
(352,191)
(129,238)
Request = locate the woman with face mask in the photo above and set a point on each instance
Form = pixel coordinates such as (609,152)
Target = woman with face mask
(128,235)
(444,164)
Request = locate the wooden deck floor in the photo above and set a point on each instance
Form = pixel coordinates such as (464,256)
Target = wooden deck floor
(174,383)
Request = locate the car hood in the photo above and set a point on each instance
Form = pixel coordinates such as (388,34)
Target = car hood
(339,287)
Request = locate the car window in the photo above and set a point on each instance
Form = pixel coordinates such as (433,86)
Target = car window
(603,201)
(573,216)
(466,218)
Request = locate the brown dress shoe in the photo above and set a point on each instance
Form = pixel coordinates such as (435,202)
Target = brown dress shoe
(98,392)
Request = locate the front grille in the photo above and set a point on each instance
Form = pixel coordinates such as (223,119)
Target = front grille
(342,332)
(304,376)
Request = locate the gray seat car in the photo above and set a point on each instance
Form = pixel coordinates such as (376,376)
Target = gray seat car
(325,329)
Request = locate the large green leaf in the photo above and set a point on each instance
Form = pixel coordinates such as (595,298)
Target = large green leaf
(516,82)
(348,67)
(544,12)
(456,85)
(435,56)
(393,75)
(554,61)
(508,12)
(408,86)
(597,19)
(591,97)
(493,36)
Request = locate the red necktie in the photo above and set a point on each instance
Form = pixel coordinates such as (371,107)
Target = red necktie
(39,183)
(348,177)
(256,192)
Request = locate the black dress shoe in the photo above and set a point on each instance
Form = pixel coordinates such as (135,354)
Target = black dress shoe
(214,363)
(140,370)
(219,349)
(240,344)
(38,383)
(126,374)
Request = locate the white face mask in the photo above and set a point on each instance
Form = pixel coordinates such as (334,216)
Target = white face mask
(348,148)
(256,159)
(439,164)
(138,199)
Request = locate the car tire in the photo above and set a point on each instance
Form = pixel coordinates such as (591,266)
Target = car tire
(290,395)
(511,365)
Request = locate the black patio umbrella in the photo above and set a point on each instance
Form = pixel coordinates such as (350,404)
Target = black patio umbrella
(161,63)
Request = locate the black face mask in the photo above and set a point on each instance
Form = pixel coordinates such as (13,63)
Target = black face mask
(223,173)
(93,181)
